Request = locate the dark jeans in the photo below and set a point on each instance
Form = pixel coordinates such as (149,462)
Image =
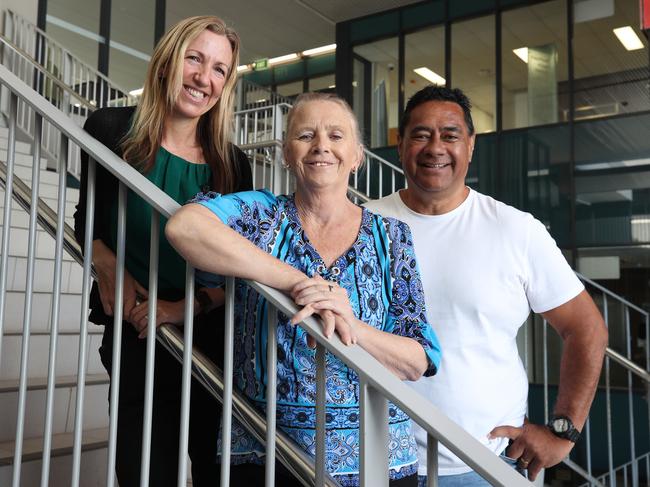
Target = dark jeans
(205,411)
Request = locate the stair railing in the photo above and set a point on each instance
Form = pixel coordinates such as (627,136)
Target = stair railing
(626,373)
(84,79)
(377,385)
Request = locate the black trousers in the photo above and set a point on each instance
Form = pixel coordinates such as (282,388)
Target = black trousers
(205,411)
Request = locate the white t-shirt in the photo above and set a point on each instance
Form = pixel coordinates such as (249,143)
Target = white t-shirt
(484,266)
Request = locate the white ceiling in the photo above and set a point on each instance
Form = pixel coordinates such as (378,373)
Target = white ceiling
(271,28)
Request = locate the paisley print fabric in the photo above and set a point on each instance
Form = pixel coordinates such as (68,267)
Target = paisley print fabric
(380,274)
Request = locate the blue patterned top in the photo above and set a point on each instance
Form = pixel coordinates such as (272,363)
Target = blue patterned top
(381,277)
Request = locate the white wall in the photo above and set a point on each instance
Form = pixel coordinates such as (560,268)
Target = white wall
(25,8)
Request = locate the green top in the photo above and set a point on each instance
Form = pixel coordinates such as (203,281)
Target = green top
(181,180)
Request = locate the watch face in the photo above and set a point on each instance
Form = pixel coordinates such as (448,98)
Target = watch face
(561,425)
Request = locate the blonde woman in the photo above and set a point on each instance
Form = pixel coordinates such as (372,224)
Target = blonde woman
(179,138)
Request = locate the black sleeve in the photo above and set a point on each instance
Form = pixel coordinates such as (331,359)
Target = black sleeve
(244,174)
(107,125)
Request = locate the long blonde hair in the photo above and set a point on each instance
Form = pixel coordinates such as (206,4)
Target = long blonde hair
(162,87)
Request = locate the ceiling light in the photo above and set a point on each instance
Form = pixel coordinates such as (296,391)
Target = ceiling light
(320,50)
(137,92)
(244,68)
(522,53)
(429,75)
(628,38)
(283,59)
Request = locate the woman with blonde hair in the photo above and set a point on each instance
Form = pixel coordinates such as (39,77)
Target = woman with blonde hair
(179,138)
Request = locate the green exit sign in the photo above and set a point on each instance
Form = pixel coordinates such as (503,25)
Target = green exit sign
(261,64)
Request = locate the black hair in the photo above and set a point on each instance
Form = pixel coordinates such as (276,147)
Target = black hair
(438,93)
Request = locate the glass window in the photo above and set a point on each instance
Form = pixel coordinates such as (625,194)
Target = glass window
(323,83)
(377,68)
(290,89)
(424,60)
(473,68)
(610,78)
(612,179)
(534,176)
(534,64)
(75,28)
(132,41)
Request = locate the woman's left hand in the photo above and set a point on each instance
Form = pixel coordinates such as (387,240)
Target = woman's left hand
(166,312)
(330,301)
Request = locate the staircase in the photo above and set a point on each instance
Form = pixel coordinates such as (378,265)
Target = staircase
(96,411)
(259,132)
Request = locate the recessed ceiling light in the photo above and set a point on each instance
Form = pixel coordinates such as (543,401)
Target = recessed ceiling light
(628,38)
(522,53)
(429,75)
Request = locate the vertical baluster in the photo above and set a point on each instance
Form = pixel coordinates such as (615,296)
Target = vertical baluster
(151,348)
(545,356)
(118,309)
(630,399)
(6,212)
(432,461)
(271,392)
(187,375)
(83,327)
(29,289)
(608,404)
(380,167)
(321,400)
(228,356)
(56,300)
(373,435)
(587,433)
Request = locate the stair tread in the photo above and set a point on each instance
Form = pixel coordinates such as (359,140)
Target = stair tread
(62,444)
(36,383)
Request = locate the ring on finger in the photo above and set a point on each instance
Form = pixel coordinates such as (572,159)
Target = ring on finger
(524,463)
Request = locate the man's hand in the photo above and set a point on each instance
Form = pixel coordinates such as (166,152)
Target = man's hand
(534,445)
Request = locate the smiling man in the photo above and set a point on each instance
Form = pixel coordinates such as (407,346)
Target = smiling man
(484,266)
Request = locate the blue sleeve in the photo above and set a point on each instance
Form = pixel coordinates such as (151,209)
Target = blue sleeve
(241,212)
(407,311)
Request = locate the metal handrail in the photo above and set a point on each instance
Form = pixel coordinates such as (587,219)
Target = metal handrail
(13,15)
(51,77)
(369,370)
(613,295)
(292,456)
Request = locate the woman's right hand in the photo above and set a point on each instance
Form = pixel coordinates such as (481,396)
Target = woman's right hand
(104,261)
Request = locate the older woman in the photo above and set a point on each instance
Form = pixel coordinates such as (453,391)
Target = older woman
(355,269)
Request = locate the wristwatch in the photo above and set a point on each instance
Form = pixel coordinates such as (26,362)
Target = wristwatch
(562,427)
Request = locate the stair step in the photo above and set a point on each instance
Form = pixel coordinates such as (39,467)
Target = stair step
(62,444)
(39,352)
(69,313)
(95,411)
(22,159)
(71,272)
(45,244)
(39,383)
(51,202)
(47,177)
(21,147)
(20,218)
(46,187)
